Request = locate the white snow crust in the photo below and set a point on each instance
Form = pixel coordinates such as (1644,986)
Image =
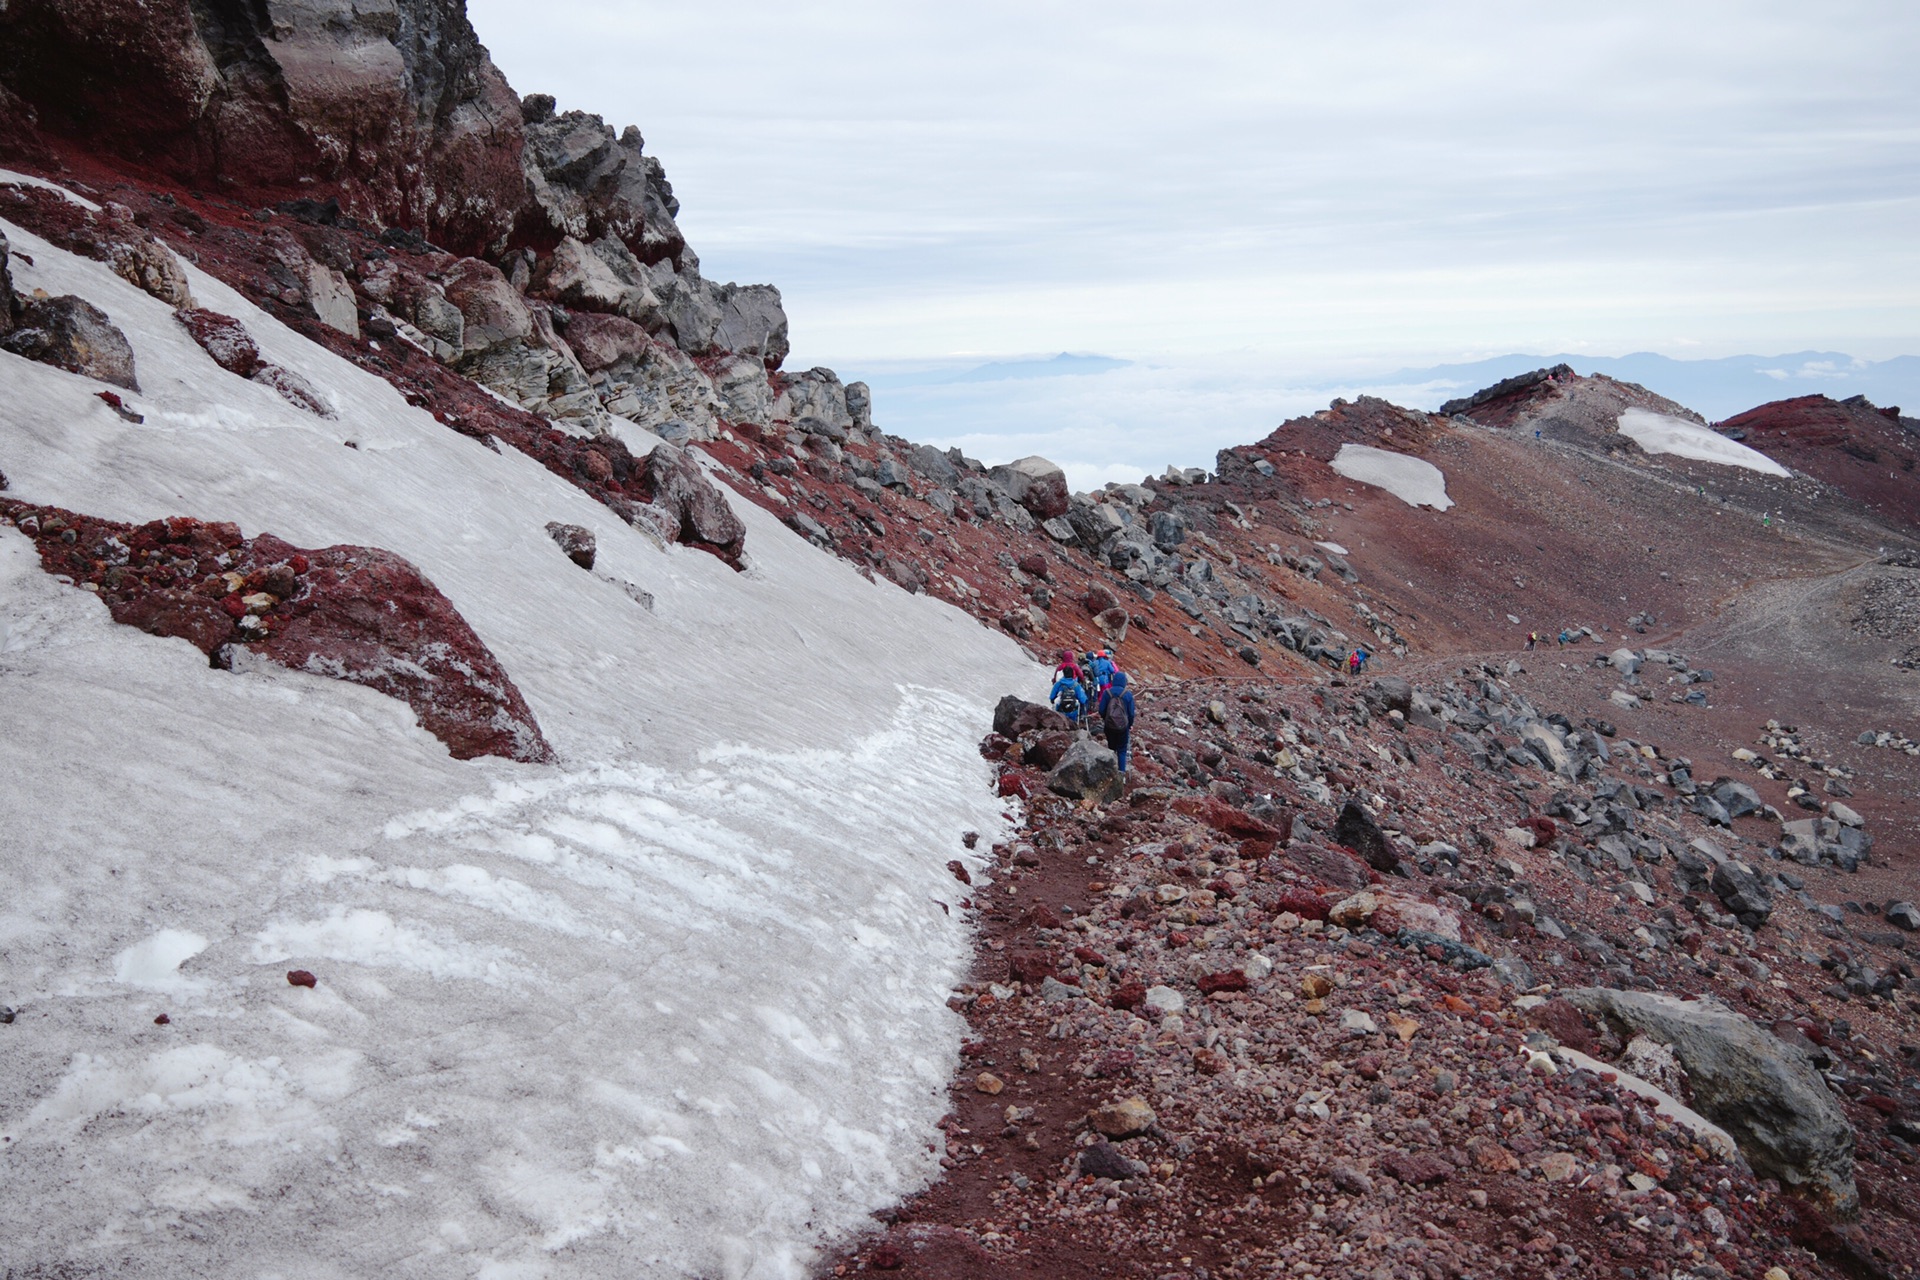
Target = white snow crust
(1660,433)
(1414,481)
(674,1007)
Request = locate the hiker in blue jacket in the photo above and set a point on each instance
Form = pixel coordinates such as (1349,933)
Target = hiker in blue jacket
(1102,670)
(1116,717)
(1068,698)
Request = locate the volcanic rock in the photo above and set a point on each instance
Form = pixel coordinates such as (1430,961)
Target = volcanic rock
(71,333)
(1088,771)
(1356,829)
(1762,1091)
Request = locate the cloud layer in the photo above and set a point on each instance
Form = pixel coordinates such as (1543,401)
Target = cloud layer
(1431,181)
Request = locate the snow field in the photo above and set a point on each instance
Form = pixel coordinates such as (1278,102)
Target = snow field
(1659,433)
(674,1007)
(1414,481)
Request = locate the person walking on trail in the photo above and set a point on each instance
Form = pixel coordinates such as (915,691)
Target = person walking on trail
(1103,670)
(1116,717)
(1533,638)
(1564,637)
(1068,698)
(1069,667)
(1364,657)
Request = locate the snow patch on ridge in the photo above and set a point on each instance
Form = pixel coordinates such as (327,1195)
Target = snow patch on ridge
(1414,481)
(1660,433)
(675,1008)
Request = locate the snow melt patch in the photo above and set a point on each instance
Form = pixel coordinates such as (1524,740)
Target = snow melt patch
(1659,433)
(1414,481)
(155,963)
(672,1008)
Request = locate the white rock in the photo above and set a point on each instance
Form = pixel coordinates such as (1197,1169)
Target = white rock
(1165,1000)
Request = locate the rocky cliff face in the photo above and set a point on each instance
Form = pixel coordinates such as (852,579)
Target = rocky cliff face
(388,124)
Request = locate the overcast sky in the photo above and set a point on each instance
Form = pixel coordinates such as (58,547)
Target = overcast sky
(1322,185)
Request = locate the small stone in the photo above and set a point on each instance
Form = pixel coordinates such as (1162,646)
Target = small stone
(1490,1157)
(1415,1169)
(162,1020)
(1904,915)
(988,1083)
(1350,1179)
(1054,991)
(1557,1166)
(1357,1022)
(1315,986)
(1776,1273)
(1103,1160)
(1258,967)
(1641,1182)
(1165,1000)
(301,978)
(1124,1119)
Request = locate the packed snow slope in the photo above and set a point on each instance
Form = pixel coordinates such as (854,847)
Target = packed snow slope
(671,1007)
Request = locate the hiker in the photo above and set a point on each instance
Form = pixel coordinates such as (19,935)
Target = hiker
(1353,663)
(1362,657)
(1533,638)
(1068,667)
(1116,717)
(1067,697)
(1563,638)
(1100,665)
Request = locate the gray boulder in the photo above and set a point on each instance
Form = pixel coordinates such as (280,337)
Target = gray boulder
(1742,893)
(1905,915)
(1013,716)
(1169,529)
(1764,1092)
(932,464)
(860,405)
(1356,829)
(1737,798)
(71,333)
(1088,771)
(1390,693)
(1036,484)
(1545,743)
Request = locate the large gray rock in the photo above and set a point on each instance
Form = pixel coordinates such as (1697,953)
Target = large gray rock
(1540,739)
(71,333)
(1758,1088)
(933,464)
(1087,771)
(1013,716)
(602,277)
(753,323)
(816,394)
(1036,484)
(1742,893)
(1737,798)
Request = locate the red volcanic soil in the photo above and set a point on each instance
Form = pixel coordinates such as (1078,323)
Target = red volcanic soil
(1865,451)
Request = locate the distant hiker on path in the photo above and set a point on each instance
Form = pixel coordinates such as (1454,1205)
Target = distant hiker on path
(1068,667)
(1533,638)
(1116,717)
(1068,698)
(1563,637)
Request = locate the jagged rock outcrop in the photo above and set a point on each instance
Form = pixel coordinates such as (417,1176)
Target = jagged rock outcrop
(396,108)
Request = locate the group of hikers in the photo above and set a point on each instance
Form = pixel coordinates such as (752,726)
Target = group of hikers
(1092,685)
(1564,639)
